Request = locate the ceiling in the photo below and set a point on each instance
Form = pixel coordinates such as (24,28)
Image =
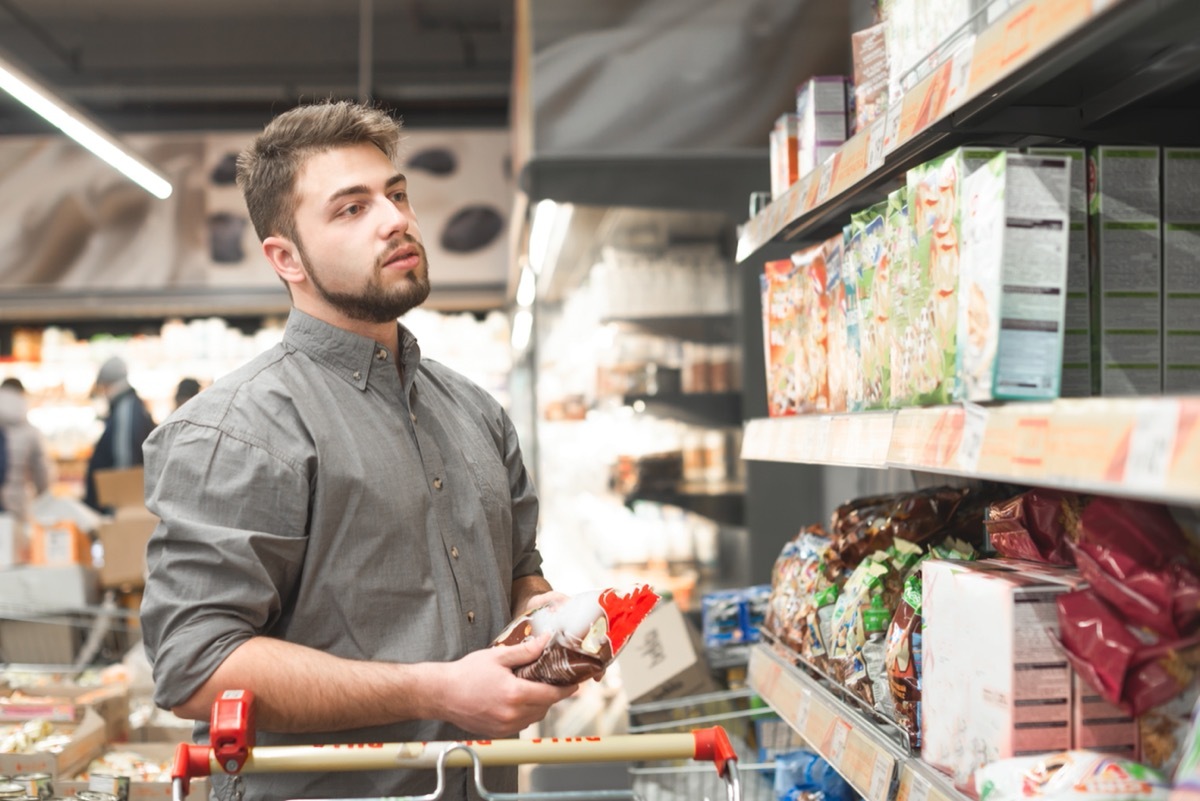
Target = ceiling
(159,65)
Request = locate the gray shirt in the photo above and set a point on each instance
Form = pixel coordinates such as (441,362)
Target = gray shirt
(315,496)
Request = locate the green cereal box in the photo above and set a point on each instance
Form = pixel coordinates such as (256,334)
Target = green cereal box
(871,289)
(901,332)
(1181,270)
(1013,277)
(852,239)
(835,290)
(1124,204)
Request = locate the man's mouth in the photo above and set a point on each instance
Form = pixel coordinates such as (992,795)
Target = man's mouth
(403,258)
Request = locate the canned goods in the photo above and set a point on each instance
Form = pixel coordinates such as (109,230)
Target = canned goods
(94,795)
(110,783)
(37,785)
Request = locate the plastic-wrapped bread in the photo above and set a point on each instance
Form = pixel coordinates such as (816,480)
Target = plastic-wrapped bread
(587,632)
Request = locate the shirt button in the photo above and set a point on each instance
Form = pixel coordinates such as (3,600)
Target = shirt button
(381,354)
(454,551)
(357,375)
(470,617)
(437,483)
(412,416)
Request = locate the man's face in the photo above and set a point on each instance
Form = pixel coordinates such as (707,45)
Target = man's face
(357,235)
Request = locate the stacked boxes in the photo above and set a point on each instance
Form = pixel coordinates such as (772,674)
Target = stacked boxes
(1126,268)
(1181,270)
(1013,278)
(784,154)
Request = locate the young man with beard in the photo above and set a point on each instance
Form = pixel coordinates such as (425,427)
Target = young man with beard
(345,526)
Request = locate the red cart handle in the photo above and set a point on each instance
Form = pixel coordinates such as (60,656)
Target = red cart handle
(712,745)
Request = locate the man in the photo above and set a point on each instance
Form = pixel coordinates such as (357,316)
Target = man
(24,453)
(345,526)
(127,426)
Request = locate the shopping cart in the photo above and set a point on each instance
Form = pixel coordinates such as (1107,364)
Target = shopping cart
(752,728)
(232,751)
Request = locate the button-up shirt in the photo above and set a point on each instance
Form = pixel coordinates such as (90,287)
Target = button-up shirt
(321,496)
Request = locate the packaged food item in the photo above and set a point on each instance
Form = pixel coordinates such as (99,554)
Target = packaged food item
(1034,525)
(862,611)
(1066,775)
(872,267)
(821,112)
(1135,556)
(901,329)
(1181,270)
(874,523)
(1186,778)
(1129,665)
(902,659)
(781,336)
(869,50)
(587,632)
(836,345)
(812,312)
(851,256)
(1012,290)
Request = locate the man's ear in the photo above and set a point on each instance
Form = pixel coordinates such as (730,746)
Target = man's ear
(284,256)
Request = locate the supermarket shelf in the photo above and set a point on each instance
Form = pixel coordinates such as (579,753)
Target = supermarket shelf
(717,407)
(1074,69)
(711,327)
(723,502)
(1140,447)
(873,763)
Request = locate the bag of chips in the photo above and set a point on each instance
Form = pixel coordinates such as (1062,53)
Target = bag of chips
(587,632)
(1070,776)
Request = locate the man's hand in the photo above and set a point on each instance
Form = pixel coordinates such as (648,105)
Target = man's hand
(553,598)
(480,692)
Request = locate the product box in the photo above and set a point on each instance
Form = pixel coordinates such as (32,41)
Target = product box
(83,740)
(821,109)
(1012,289)
(781,335)
(124,537)
(1181,270)
(869,50)
(663,658)
(852,236)
(835,338)
(69,703)
(784,154)
(151,779)
(935,214)
(1126,265)
(812,312)
(1077,372)
(1008,695)
(901,326)
(1100,726)
(871,289)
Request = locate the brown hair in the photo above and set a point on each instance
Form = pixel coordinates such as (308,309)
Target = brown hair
(267,169)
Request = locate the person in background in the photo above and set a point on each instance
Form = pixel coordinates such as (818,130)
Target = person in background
(28,473)
(188,388)
(345,526)
(125,429)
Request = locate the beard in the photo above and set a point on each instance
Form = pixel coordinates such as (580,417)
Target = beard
(375,303)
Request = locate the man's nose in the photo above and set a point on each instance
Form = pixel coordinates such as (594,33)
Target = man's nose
(394,221)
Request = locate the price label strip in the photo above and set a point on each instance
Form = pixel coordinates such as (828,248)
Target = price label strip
(881,777)
(837,742)
(891,136)
(918,787)
(876,142)
(803,707)
(1152,444)
(974,430)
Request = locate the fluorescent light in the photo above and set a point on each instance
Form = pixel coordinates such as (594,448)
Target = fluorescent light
(522,328)
(526,288)
(76,125)
(541,233)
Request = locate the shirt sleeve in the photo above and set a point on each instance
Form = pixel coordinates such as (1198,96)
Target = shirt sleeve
(527,561)
(227,551)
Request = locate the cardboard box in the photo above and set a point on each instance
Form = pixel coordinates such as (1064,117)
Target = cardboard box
(837,357)
(869,50)
(663,658)
(1012,290)
(1100,726)
(1077,369)
(784,154)
(811,313)
(781,335)
(69,703)
(124,537)
(821,113)
(1008,696)
(1126,253)
(871,282)
(157,754)
(1181,270)
(86,740)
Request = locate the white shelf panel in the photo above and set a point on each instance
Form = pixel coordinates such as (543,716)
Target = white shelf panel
(1138,447)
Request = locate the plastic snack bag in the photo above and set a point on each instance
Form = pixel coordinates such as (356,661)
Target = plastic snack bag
(587,633)
(1067,775)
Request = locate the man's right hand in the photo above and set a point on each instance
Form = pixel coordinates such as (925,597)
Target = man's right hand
(482,694)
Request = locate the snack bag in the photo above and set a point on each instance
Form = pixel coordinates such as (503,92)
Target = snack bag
(1034,525)
(587,633)
(1067,775)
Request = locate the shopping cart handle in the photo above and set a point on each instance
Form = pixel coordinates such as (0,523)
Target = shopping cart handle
(190,761)
(231,729)
(713,745)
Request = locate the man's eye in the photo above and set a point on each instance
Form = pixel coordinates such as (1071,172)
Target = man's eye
(352,209)
(400,196)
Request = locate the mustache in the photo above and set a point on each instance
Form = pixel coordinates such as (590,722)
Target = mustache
(395,244)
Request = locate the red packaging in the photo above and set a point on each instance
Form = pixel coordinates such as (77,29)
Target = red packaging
(1034,525)
(1130,667)
(1138,559)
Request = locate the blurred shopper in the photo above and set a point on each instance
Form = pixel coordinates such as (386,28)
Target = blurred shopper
(126,428)
(188,388)
(28,471)
(345,526)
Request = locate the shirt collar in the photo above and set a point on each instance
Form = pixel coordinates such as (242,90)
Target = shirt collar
(349,355)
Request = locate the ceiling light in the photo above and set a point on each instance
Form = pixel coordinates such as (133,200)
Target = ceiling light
(526,288)
(75,124)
